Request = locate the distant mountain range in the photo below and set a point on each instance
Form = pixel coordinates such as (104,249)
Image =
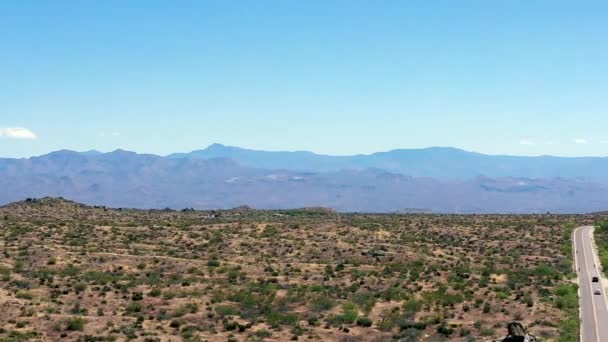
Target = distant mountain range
(220,177)
(437,162)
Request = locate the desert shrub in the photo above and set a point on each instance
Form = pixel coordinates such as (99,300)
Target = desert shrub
(275,319)
(601,238)
(75,324)
(270,232)
(176,323)
(155,292)
(137,296)
(404,324)
(566,296)
(18,336)
(348,316)
(133,308)
(70,271)
(24,295)
(262,333)
(100,278)
(567,300)
(80,286)
(21,284)
(409,335)
(349,312)
(544,270)
(322,303)
(445,330)
(364,322)
(365,300)
(226,310)
(213,263)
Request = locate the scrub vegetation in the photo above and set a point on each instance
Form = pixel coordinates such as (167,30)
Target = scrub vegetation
(601,240)
(73,272)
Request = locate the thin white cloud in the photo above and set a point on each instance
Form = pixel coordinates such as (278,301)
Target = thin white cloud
(580,141)
(526,142)
(603,141)
(16,133)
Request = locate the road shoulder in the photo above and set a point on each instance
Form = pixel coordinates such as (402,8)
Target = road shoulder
(598,263)
(578,282)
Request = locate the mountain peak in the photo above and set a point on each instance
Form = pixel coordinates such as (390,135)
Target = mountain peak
(216,147)
(432,149)
(122,152)
(62,155)
(62,152)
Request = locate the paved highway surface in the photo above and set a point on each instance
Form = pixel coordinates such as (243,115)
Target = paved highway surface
(594,308)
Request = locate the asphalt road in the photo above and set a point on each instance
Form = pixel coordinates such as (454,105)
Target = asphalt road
(594,308)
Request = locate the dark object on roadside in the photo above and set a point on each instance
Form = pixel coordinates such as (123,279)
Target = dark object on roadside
(517,333)
(595,279)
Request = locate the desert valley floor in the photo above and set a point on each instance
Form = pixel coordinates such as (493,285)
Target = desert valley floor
(74,272)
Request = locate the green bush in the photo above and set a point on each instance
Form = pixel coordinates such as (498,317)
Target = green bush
(24,295)
(445,330)
(133,308)
(322,303)
(364,322)
(365,300)
(75,324)
(275,319)
(155,292)
(226,310)
(80,286)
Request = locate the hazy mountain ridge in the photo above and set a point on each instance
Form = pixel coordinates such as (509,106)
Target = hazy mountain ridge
(438,162)
(128,179)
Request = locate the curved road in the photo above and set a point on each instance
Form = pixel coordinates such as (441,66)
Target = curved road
(593,307)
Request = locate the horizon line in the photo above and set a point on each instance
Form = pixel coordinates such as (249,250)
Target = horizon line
(219,145)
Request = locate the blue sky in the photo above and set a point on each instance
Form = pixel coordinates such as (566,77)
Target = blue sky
(334,77)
